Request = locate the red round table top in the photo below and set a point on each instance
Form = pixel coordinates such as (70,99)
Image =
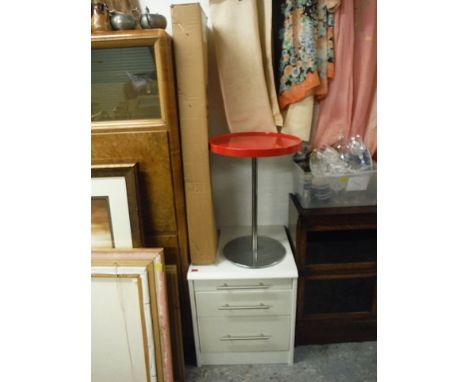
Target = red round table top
(254,144)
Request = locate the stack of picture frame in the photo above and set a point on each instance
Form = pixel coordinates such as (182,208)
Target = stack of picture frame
(116,227)
(137,184)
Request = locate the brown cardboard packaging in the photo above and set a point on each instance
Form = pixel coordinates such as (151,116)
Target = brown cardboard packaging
(191,62)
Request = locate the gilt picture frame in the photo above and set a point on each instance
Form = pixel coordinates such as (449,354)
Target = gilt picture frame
(115,211)
(130,336)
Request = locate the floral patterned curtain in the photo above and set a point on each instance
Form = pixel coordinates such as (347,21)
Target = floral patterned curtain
(306,62)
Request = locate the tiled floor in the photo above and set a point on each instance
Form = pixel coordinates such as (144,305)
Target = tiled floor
(350,362)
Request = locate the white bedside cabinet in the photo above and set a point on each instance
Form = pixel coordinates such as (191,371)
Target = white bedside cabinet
(243,315)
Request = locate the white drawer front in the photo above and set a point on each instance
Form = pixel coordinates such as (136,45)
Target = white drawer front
(242,285)
(244,334)
(243,303)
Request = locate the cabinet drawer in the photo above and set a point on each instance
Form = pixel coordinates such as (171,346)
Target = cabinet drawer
(244,303)
(242,285)
(244,334)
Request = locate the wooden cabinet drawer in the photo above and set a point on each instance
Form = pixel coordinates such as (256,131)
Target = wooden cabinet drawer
(244,334)
(244,303)
(242,285)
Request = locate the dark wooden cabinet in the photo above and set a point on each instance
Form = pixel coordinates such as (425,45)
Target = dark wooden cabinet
(336,255)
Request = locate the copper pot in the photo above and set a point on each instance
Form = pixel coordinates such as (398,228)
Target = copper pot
(99,17)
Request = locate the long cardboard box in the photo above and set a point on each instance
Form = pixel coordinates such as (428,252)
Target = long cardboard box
(191,62)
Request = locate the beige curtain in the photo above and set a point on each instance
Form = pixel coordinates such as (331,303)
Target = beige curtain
(298,118)
(241,30)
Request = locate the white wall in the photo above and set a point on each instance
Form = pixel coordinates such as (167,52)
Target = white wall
(231,176)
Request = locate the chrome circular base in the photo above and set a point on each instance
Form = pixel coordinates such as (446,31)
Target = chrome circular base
(269,252)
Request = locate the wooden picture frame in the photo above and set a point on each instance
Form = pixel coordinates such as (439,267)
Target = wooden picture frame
(130,316)
(115,212)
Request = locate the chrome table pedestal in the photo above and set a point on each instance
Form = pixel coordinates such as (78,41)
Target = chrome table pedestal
(254,251)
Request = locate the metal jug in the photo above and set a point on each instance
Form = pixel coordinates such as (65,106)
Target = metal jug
(152,20)
(121,20)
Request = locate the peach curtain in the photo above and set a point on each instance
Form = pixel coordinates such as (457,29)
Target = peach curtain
(350,106)
(365,63)
(370,137)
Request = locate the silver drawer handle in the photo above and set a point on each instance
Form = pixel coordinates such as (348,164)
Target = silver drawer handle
(244,338)
(241,307)
(258,286)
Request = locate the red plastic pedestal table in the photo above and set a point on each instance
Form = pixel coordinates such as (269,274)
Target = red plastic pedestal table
(254,251)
